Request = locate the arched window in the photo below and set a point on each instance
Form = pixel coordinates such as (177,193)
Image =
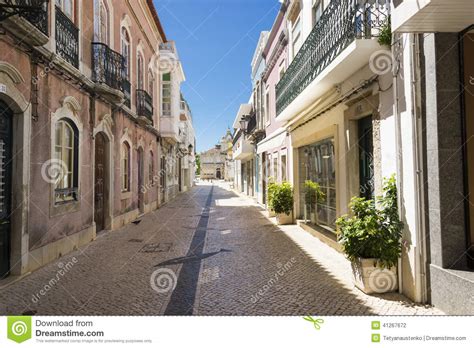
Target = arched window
(67,165)
(140,70)
(151,81)
(125,38)
(101,22)
(67,7)
(125,167)
(151,169)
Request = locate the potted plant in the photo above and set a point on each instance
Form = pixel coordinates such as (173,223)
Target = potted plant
(270,188)
(312,196)
(282,203)
(370,238)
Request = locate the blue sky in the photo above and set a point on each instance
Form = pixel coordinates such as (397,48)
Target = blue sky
(216,40)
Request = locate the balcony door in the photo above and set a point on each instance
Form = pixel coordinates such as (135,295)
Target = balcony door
(140,167)
(366,158)
(101,20)
(100,185)
(5,187)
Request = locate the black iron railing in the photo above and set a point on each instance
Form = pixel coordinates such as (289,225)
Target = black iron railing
(252,123)
(127,91)
(107,66)
(36,12)
(342,22)
(144,104)
(67,38)
(63,196)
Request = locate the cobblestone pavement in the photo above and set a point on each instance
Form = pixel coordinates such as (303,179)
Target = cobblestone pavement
(208,252)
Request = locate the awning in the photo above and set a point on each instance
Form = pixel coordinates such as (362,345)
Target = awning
(274,141)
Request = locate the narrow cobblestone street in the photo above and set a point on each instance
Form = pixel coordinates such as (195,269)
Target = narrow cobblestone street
(229,259)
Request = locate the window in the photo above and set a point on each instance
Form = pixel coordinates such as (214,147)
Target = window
(166,95)
(283,167)
(151,169)
(318,9)
(296,35)
(67,7)
(126,51)
(281,70)
(151,81)
(101,27)
(125,167)
(275,167)
(267,107)
(318,165)
(140,71)
(66,155)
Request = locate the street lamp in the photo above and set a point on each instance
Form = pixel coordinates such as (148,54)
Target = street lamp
(244,123)
(10,8)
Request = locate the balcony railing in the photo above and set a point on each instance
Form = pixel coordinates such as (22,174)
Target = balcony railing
(252,124)
(107,66)
(67,38)
(144,104)
(342,22)
(127,91)
(38,17)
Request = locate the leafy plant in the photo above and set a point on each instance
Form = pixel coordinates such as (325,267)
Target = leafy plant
(313,192)
(270,190)
(282,198)
(385,37)
(374,230)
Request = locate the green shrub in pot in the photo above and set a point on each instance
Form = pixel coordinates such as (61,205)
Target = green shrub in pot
(371,240)
(282,198)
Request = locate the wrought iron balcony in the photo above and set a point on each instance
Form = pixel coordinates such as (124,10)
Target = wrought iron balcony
(127,91)
(144,104)
(35,12)
(67,38)
(107,66)
(252,123)
(342,22)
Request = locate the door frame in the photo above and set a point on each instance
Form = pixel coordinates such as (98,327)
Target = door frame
(140,179)
(20,185)
(105,127)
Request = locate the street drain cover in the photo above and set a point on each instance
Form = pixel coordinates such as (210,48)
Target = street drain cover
(156,248)
(134,240)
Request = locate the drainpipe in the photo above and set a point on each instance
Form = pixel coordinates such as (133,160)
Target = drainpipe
(398,140)
(417,151)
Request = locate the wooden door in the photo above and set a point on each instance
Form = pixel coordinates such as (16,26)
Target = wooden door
(100,181)
(5,187)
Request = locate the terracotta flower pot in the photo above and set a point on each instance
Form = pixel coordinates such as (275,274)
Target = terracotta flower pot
(372,279)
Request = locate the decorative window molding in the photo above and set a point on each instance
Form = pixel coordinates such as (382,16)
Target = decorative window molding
(65,191)
(12,72)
